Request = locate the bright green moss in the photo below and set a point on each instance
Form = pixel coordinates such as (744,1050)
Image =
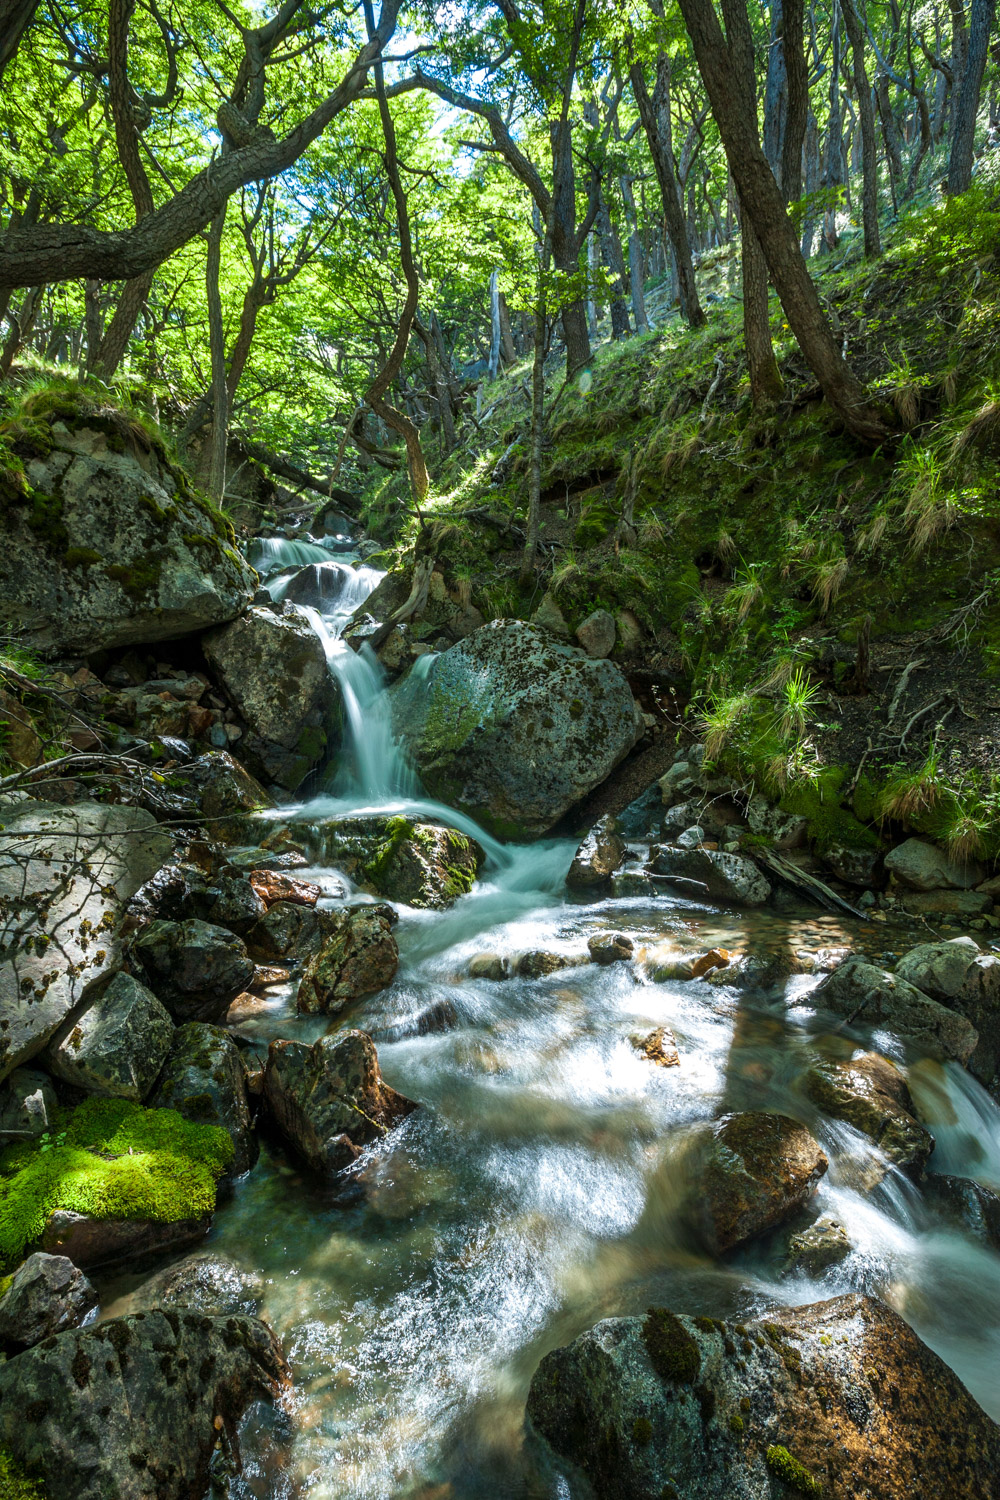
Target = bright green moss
(828,822)
(794,1474)
(111,1160)
(672,1351)
(14,1482)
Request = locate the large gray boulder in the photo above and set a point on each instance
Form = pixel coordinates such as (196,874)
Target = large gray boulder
(127,1410)
(46,1295)
(194,967)
(870,996)
(113,544)
(514,728)
(840,1399)
(204,1079)
(65,873)
(961,976)
(274,668)
(925,867)
(701,873)
(117,1045)
(329,1100)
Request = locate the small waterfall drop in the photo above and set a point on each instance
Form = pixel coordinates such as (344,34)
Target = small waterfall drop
(268,554)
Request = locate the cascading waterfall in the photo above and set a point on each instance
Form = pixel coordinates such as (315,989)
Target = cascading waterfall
(268,554)
(538,1188)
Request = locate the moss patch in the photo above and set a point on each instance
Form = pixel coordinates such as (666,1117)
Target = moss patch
(15,1483)
(672,1351)
(794,1474)
(110,1160)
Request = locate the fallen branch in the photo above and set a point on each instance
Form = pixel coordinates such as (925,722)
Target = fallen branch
(904,677)
(809,885)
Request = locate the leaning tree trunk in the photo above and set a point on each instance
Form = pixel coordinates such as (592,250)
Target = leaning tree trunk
(963,130)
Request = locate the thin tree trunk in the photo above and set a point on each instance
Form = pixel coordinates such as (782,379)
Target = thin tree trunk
(963,132)
(869,145)
(215,469)
(673,214)
(508,348)
(21,326)
(494,324)
(812,156)
(530,554)
(890,136)
(615,261)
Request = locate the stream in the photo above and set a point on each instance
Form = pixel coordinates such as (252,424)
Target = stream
(537,1189)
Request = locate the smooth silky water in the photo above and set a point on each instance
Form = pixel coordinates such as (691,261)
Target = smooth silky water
(539,1187)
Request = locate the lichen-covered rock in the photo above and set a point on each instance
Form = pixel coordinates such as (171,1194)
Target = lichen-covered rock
(514,728)
(839,1399)
(757,1170)
(195,968)
(359,958)
(205,1282)
(204,1079)
(113,545)
(871,996)
(46,1295)
(127,1410)
(701,873)
(329,1100)
(966,980)
(65,874)
(274,668)
(600,854)
(422,864)
(27,1106)
(870,1093)
(117,1045)
(925,867)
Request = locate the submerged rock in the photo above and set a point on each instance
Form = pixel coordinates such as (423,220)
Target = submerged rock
(601,853)
(117,1045)
(195,968)
(65,874)
(837,1399)
(870,1093)
(206,1283)
(274,668)
(514,728)
(121,551)
(758,1169)
(127,1410)
(329,1100)
(204,1079)
(711,873)
(46,1295)
(962,977)
(871,996)
(359,958)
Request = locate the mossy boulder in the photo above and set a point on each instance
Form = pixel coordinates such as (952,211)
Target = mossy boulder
(274,668)
(360,957)
(127,1410)
(513,727)
(113,547)
(829,1400)
(870,1093)
(962,977)
(65,874)
(422,864)
(329,1100)
(204,1080)
(109,1160)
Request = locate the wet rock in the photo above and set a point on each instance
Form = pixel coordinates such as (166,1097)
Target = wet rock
(432,1020)
(359,958)
(274,669)
(195,968)
(489,966)
(127,552)
(758,1169)
(967,1205)
(872,997)
(514,728)
(65,875)
(643,818)
(870,1093)
(117,1045)
(231,902)
(815,1249)
(275,885)
(27,1106)
(101,1242)
(709,872)
(837,1399)
(206,1283)
(227,793)
(128,1409)
(959,975)
(421,864)
(635,883)
(691,838)
(537,963)
(288,930)
(46,1295)
(596,633)
(658,1047)
(857,867)
(329,1100)
(601,853)
(204,1079)
(610,948)
(925,867)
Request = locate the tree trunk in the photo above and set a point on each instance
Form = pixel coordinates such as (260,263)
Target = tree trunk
(615,261)
(537,418)
(963,132)
(508,348)
(765,378)
(635,257)
(890,136)
(566,245)
(869,146)
(762,203)
(812,156)
(215,469)
(21,325)
(15,18)
(673,214)
(494,324)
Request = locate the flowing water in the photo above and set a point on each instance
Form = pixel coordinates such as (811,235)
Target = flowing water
(538,1187)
